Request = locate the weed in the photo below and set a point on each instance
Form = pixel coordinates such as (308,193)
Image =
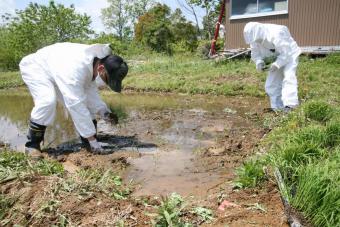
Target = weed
(169,212)
(89,181)
(250,174)
(318,111)
(45,167)
(15,165)
(205,215)
(120,112)
(5,204)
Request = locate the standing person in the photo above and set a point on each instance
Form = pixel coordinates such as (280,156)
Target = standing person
(271,40)
(71,73)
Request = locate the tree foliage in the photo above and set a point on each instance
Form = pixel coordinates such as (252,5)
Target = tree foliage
(116,18)
(38,26)
(161,31)
(119,17)
(211,13)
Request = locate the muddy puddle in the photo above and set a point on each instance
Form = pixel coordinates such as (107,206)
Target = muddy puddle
(164,143)
(168,143)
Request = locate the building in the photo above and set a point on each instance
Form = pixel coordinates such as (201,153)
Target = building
(314,24)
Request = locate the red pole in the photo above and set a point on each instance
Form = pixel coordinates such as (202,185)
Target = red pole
(217,29)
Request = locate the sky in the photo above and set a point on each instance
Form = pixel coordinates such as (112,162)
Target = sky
(90,7)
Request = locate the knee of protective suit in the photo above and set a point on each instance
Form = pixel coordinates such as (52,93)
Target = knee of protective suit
(44,114)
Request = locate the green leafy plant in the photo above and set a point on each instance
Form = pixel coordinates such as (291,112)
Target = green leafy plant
(169,211)
(250,174)
(204,214)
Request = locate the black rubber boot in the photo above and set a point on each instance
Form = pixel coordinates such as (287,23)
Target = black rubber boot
(35,135)
(84,141)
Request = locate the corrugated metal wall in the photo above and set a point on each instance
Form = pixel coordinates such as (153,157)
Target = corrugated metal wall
(311,23)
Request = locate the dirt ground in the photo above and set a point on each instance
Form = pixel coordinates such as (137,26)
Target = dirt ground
(192,151)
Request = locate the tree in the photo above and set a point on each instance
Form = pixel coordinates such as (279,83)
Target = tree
(189,8)
(210,17)
(116,18)
(153,29)
(40,25)
(160,30)
(121,15)
(138,8)
(184,33)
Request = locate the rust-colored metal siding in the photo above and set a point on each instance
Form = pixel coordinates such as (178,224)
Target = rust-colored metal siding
(311,23)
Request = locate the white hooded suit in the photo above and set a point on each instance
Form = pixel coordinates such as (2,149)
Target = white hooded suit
(267,40)
(64,71)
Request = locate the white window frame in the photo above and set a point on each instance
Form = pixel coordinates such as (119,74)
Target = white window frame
(252,15)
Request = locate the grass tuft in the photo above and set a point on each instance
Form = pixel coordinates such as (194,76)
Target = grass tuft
(250,174)
(318,191)
(318,111)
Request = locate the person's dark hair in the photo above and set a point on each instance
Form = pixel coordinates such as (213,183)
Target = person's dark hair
(117,69)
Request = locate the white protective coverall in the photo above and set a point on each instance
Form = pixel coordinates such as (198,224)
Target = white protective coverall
(281,84)
(64,71)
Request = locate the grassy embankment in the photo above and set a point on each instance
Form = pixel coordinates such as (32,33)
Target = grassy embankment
(305,146)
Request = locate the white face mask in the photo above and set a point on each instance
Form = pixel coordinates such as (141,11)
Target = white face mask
(99,81)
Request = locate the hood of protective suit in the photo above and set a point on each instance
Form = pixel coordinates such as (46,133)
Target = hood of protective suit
(253,32)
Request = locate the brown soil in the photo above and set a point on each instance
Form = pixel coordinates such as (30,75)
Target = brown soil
(193,152)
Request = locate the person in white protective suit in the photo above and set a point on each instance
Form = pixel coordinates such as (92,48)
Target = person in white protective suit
(70,73)
(275,41)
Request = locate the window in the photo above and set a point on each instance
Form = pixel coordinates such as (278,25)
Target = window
(256,8)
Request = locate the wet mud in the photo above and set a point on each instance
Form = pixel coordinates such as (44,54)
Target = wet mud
(185,144)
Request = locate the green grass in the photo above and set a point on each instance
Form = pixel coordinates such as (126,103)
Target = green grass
(318,78)
(250,174)
(191,74)
(15,165)
(304,145)
(10,79)
(318,191)
(318,111)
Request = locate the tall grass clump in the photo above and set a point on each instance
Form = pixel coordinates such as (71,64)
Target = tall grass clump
(318,111)
(318,191)
(250,174)
(332,132)
(303,146)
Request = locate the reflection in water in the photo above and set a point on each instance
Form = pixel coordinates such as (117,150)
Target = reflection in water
(16,106)
(14,116)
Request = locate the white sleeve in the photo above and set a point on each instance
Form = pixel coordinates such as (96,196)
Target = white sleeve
(75,101)
(255,53)
(94,103)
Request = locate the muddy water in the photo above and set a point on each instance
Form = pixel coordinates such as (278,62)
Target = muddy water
(167,132)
